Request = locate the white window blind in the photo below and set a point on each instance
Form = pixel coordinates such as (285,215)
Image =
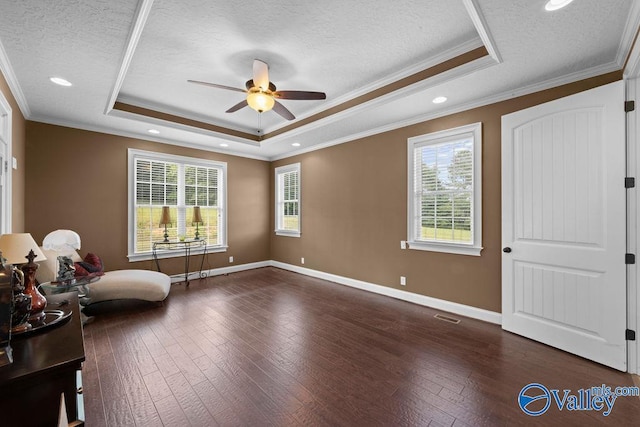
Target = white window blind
(444,191)
(288,200)
(180,183)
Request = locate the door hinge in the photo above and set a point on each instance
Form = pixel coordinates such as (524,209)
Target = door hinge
(629,182)
(630,335)
(629,258)
(629,106)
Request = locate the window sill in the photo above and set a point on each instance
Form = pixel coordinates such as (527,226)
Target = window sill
(175,253)
(287,233)
(446,248)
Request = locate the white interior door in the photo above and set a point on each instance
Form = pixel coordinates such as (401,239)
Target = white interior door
(564,225)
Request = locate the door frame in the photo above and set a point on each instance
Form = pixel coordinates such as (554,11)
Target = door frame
(6,129)
(631,77)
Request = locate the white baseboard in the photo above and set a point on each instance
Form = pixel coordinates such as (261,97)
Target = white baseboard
(439,304)
(222,270)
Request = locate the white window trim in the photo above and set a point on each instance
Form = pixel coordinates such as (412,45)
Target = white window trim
(475,247)
(278,171)
(150,155)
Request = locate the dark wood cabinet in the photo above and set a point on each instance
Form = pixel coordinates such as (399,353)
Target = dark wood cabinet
(45,365)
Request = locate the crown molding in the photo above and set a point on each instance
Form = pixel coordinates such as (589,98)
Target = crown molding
(143,137)
(179,126)
(473,9)
(480,102)
(629,35)
(436,80)
(162,108)
(12,81)
(389,79)
(144,8)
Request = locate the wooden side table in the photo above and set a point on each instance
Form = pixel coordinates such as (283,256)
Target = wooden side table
(45,365)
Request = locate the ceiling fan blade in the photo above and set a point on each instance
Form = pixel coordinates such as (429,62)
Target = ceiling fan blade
(238,106)
(299,94)
(217,86)
(261,74)
(282,110)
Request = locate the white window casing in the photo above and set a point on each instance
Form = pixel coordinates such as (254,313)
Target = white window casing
(156,180)
(287,200)
(444,212)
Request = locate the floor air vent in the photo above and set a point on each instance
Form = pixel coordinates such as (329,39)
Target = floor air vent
(447,318)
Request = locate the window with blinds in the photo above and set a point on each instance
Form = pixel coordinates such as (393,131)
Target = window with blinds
(180,183)
(288,200)
(444,191)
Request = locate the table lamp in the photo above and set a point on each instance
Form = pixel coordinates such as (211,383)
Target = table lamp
(197,220)
(165,220)
(16,248)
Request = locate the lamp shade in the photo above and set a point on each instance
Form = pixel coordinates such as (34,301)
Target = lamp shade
(165,219)
(197,216)
(16,246)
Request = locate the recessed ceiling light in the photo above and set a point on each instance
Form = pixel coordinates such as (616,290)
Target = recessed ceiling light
(556,4)
(439,99)
(60,81)
(224,145)
(296,144)
(154,131)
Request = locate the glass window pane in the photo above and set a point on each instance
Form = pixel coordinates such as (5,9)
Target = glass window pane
(172,173)
(157,172)
(190,175)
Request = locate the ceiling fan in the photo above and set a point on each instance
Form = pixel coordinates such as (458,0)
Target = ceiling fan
(262,94)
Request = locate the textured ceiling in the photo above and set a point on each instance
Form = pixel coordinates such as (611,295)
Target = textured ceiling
(363,57)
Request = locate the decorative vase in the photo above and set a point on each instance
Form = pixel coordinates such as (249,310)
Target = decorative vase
(38,301)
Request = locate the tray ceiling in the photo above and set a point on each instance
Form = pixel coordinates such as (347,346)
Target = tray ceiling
(380,67)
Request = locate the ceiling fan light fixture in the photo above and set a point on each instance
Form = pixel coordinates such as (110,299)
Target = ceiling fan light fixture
(260,101)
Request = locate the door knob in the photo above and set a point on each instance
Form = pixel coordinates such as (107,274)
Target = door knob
(506,250)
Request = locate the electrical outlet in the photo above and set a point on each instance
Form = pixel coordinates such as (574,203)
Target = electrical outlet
(302,260)
(403,281)
(230,259)
(403,244)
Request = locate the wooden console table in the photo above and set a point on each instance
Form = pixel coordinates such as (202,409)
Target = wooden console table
(183,245)
(45,365)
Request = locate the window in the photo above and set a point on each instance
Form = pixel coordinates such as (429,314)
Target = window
(444,198)
(157,180)
(288,200)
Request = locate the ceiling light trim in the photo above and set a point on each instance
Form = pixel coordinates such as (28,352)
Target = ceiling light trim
(142,14)
(480,23)
(12,82)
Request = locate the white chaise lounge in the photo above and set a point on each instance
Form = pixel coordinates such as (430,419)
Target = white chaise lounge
(118,284)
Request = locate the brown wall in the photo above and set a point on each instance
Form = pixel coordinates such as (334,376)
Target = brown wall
(78,180)
(354,210)
(18,151)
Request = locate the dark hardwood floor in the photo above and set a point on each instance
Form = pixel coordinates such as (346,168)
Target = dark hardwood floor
(271,347)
